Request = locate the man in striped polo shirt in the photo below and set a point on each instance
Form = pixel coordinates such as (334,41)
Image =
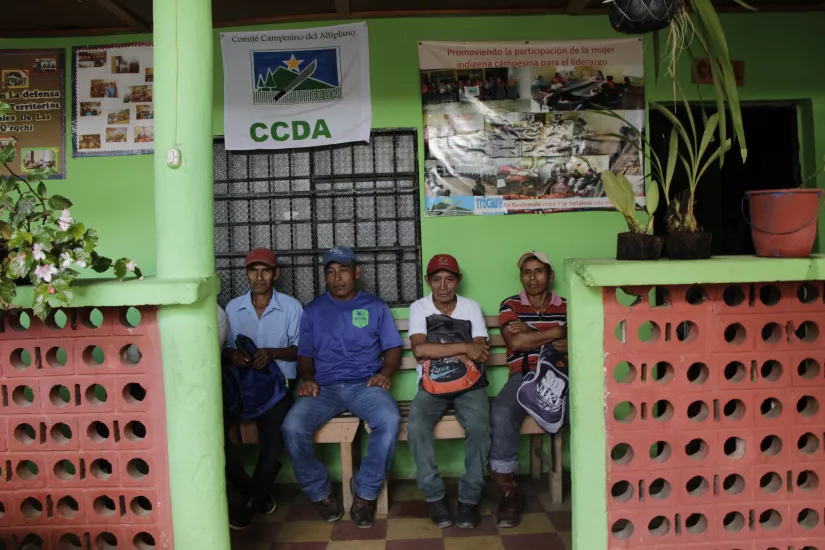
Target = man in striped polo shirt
(528,320)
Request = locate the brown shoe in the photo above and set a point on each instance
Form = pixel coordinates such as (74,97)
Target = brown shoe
(509,503)
(362,512)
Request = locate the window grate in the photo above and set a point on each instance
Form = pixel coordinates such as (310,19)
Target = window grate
(300,202)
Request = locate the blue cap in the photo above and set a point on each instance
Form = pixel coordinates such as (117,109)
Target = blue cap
(339,254)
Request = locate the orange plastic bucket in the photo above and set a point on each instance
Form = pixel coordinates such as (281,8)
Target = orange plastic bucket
(783,221)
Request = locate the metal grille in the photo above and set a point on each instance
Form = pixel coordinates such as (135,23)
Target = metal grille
(300,202)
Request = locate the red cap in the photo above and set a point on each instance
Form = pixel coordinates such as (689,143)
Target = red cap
(443,261)
(261,256)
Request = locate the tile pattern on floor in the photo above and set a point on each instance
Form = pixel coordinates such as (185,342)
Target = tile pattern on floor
(296,525)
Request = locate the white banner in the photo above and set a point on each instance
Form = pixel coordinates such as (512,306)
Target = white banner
(296,88)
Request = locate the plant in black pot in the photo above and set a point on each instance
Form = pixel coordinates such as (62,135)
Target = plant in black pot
(41,244)
(639,243)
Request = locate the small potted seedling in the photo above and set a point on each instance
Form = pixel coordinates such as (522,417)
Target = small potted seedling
(639,243)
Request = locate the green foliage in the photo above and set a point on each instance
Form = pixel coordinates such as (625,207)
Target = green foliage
(698,22)
(41,243)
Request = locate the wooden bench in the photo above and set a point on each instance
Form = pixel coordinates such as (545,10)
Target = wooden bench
(343,429)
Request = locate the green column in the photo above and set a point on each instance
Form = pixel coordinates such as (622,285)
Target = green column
(588,442)
(183,220)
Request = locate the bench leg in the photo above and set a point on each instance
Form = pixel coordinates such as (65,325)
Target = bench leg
(383,504)
(535,455)
(556,495)
(346,474)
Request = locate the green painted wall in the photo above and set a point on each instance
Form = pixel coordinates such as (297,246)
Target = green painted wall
(115,195)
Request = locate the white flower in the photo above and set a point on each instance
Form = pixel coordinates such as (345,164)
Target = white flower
(66,260)
(131,265)
(65,221)
(45,272)
(37,252)
(80,263)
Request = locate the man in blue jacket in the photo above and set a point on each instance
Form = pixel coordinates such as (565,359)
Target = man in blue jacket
(272,321)
(349,349)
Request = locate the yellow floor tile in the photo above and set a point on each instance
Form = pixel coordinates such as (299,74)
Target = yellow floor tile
(473,543)
(567,539)
(531,523)
(412,529)
(358,545)
(305,531)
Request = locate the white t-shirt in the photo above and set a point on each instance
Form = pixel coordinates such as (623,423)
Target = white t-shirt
(223,325)
(465,310)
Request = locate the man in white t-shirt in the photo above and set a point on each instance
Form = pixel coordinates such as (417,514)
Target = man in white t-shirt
(472,408)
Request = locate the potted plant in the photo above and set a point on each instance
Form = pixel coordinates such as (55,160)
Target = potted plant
(40,243)
(784,221)
(685,239)
(639,243)
(686,20)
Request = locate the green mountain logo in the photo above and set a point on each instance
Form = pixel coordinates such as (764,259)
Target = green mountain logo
(282,77)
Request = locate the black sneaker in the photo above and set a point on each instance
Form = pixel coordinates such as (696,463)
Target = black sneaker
(268,506)
(362,511)
(467,516)
(440,514)
(329,508)
(241,516)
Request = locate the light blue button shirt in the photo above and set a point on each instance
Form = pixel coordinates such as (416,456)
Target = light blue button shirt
(278,327)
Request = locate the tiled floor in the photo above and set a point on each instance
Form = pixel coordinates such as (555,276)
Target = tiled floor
(297,526)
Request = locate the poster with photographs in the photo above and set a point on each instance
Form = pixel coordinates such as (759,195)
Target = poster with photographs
(33,85)
(515,127)
(113,109)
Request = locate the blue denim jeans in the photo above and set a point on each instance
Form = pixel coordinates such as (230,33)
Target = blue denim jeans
(472,409)
(507,417)
(373,405)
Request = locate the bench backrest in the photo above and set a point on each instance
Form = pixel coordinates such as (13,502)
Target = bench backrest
(498,352)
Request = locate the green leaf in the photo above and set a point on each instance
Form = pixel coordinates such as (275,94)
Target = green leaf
(57,202)
(24,207)
(652,196)
(89,241)
(745,5)
(7,153)
(672,155)
(716,154)
(41,189)
(9,184)
(676,124)
(19,269)
(120,269)
(710,129)
(20,237)
(5,108)
(41,300)
(8,290)
(6,230)
(42,235)
(78,231)
(100,264)
(6,202)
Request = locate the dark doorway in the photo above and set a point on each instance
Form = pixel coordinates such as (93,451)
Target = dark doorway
(773,163)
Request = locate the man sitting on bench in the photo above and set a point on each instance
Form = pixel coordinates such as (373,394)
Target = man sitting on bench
(271,320)
(343,334)
(448,334)
(528,320)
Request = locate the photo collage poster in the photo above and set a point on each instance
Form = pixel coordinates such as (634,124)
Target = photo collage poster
(113,109)
(516,127)
(33,86)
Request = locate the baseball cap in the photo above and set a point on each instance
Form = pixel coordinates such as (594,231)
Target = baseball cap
(339,254)
(540,256)
(261,256)
(443,261)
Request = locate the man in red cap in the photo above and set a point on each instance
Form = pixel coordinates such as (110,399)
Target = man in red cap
(272,320)
(528,320)
(445,325)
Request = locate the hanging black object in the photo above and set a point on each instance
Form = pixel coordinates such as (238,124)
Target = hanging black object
(642,16)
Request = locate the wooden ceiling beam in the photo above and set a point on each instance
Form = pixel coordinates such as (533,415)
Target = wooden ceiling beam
(134,22)
(59,33)
(342,9)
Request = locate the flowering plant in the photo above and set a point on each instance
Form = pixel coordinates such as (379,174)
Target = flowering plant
(40,242)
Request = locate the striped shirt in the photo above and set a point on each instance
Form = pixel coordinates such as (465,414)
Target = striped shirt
(518,308)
